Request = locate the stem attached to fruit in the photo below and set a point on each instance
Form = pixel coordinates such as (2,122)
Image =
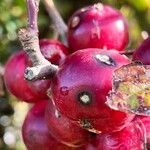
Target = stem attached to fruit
(57,19)
(42,68)
(128,53)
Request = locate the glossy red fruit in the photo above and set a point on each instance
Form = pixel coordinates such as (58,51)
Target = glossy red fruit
(62,129)
(97,26)
(130,138)
(16,65)
(81,85)
(142,53)
(53,50)
(35,132)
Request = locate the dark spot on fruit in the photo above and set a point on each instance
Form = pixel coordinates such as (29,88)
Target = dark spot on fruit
(85,123)
(75,21)
(64,90)
(105,59)
(85,98)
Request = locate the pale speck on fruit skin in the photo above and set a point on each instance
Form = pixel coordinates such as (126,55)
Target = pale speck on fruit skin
(57,114)
(99,6)
(85,99)
(124,56)
(83,9)
(94,131)
(105,59)
(144,35)
(75,21)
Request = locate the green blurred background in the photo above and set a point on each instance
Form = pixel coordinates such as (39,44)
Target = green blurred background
(13,16)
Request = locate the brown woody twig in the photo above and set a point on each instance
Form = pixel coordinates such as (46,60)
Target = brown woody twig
(42,68)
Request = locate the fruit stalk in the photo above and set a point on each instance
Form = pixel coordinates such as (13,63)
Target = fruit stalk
(60,25)
(29,39)
(33,8)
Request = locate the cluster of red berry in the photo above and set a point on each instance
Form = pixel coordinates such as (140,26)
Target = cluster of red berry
(69,111)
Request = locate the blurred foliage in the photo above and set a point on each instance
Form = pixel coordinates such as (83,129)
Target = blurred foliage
(13,16)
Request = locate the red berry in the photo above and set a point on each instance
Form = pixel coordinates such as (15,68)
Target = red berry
(97,26)
(81,85)
(53,50)
(142,53)
(62,129)
(35,132)
(130,138)
(16,65)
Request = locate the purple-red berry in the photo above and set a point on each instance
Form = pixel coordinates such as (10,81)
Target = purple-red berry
(35,131)
(80,88)
(130,138)
(65,131)
(97,26)
(142,53)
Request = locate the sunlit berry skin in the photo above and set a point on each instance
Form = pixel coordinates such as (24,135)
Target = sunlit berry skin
(142,53)
(130,138)
(65,131)
(97,26)
(35,131)
(81,85)
(14,73)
